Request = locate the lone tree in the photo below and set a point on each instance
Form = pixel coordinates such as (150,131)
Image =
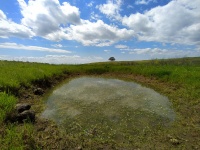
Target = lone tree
(112,59)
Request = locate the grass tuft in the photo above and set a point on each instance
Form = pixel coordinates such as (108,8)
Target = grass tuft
(7,103)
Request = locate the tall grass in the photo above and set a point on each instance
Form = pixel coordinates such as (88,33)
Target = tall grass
(7,103)
(15,74)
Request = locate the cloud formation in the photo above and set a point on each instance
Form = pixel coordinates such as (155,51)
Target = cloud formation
(176,22)
(120,46)
(46,16)
(56,22)
(97,33)
(144,2)
(8,28)
(151,51)
(160,53)
(55,59)
(31,48)
(111,9)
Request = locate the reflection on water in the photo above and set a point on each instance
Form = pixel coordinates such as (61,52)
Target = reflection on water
(89,100)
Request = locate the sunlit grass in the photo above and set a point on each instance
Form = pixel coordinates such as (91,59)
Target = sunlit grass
(7,103)
(16,74)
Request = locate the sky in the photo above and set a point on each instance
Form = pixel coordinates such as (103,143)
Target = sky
(84,31)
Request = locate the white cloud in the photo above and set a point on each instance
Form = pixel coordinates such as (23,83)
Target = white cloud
(111,9)
(22,4)
(90,4)
(176,22)
(56,59)
(144,2)
(8,28)
(152,51)
(121,46)
(97,33)
(107,51)
(163,53)
(95,16)
(46,16)
(31,48)
(56,22)
(130,7)
(57,45)
(138,22)
(2,15)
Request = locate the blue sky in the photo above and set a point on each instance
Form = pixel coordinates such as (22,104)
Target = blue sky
(84,31)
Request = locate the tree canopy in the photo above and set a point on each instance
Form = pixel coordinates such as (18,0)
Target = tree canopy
(112,59)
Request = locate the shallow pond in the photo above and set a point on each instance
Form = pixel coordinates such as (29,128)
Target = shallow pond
(107,106)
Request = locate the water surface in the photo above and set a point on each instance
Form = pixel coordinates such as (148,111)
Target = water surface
(111,105)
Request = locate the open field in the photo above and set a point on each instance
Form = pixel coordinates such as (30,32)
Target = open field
(178,79)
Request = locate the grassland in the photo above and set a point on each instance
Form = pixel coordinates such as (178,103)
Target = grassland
(178,79)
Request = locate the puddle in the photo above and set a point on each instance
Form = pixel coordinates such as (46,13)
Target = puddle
(109,105)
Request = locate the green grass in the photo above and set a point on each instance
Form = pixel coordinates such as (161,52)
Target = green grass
(184,71)
(17,137)
(16,74)
(7,103)
(179,79)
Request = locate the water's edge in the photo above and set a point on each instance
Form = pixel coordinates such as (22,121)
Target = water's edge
(85,91)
